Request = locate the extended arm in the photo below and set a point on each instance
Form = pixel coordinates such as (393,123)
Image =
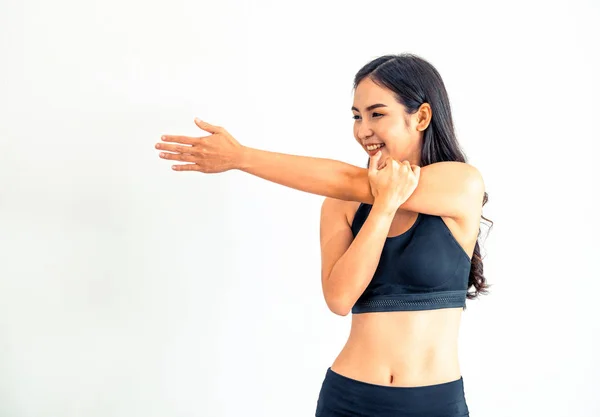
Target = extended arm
(444,189)
(452,189)
(321,176)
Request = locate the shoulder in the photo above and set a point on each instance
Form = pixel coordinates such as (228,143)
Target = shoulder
(475,179)
(466,174)
(465,227)
(471,202)
(447,189)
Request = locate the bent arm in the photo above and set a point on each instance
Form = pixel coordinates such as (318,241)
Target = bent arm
(448,188)
(353,272)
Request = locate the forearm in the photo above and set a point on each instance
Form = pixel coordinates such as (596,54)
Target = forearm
(321,176)
(354,270)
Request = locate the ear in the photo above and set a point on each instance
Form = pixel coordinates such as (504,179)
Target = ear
(423,116)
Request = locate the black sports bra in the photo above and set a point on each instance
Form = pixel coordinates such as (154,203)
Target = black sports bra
(424,268)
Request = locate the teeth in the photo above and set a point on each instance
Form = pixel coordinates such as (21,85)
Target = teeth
(373,147)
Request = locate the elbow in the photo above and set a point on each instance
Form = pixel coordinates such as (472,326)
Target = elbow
(343,312)
(340,311)
(360,188)
(338,306)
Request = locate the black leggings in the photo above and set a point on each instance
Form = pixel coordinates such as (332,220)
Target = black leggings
(341,396)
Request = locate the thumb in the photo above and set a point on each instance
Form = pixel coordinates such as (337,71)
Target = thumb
(206,126)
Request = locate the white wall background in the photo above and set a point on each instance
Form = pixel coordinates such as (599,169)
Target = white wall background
(128,289)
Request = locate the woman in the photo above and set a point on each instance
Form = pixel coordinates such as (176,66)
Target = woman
(398,240)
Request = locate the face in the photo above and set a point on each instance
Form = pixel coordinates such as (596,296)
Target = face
(380,119)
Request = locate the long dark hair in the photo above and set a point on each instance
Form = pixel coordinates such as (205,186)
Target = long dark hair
(414,82)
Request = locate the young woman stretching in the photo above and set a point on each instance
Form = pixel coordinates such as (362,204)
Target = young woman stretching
(399,240)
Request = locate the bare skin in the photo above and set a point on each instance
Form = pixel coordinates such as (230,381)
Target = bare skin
(401,348)
(404,348)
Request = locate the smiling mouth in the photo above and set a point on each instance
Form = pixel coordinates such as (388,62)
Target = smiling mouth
(371,149)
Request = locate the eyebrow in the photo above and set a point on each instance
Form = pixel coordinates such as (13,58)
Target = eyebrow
(371,107)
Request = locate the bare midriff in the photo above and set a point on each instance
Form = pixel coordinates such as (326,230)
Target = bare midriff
(402,348)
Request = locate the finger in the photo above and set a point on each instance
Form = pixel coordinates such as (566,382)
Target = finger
(404,164)
(177,157)
(207,126)
(174,148)
(395,161)
(179,139)
(417,170)
(373,162)
(386,161)
(185,167)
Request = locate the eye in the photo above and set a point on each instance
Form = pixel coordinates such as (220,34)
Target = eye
(355,117)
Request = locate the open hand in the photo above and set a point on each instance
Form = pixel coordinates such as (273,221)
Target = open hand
(218,152)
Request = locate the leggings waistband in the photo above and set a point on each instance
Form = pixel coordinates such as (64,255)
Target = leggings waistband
(340,393)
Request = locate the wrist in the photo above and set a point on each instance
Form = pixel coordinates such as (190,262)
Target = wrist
(244,159)
(383,208)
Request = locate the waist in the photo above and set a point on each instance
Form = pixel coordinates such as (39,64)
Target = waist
(407,348)
(397,371)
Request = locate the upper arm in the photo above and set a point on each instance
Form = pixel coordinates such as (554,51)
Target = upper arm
(448,189)
(336,237)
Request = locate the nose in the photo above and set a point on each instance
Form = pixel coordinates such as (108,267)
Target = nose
(364,131)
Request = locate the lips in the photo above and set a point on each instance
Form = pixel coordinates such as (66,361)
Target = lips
(374,151)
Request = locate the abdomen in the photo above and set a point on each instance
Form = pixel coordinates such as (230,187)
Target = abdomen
(403,348)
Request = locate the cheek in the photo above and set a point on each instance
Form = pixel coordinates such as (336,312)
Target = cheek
(395,132)
(396,128)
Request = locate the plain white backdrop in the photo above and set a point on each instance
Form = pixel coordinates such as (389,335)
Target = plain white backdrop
(128,289)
